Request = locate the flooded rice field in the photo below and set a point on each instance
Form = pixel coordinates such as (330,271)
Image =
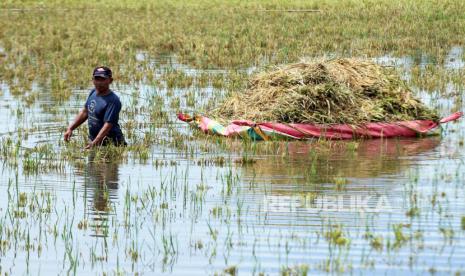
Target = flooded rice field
(179,202)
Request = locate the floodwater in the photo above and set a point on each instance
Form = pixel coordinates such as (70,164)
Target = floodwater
(393,206)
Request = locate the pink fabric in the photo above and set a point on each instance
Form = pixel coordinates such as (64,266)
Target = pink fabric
(341,131)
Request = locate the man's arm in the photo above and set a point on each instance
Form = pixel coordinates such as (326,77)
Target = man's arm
(101,135)
(80,118)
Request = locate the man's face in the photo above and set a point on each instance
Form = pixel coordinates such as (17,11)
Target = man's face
(102,84)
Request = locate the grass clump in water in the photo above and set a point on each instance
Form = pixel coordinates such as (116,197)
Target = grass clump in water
(336,236)
(337,91)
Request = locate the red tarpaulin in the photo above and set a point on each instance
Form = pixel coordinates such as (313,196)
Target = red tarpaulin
(263,131)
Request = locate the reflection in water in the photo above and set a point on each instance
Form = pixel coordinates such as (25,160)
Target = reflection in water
(365,159)
(334,182)
(100,192)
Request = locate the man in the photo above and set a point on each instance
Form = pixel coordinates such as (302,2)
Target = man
(102,111)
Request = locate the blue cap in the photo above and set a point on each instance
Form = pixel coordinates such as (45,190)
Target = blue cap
(102,71)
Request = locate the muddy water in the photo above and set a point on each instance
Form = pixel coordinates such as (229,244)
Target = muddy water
(397,204)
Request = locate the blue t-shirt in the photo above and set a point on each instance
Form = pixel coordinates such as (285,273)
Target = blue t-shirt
(102,109)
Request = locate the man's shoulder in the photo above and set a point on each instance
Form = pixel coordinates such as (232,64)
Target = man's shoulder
(114,96)
(92,92)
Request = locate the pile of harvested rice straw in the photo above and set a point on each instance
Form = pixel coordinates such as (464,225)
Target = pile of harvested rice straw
(338,91)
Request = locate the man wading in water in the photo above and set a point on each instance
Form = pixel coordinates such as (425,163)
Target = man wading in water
(102,109)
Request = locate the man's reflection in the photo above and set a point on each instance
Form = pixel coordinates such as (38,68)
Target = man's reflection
(101,191)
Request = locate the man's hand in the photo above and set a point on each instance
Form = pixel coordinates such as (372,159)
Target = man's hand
(68,134)
(89,146)
(101,136)
(80,118)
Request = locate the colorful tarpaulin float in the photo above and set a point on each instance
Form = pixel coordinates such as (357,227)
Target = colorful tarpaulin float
(267,131)
(331,99)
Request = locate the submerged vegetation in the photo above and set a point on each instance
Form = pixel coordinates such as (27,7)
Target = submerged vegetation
(175,200)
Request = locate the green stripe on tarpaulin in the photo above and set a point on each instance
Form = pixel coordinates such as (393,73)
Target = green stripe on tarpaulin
(254,135)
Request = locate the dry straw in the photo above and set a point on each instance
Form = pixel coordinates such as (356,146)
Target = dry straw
(350,91)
